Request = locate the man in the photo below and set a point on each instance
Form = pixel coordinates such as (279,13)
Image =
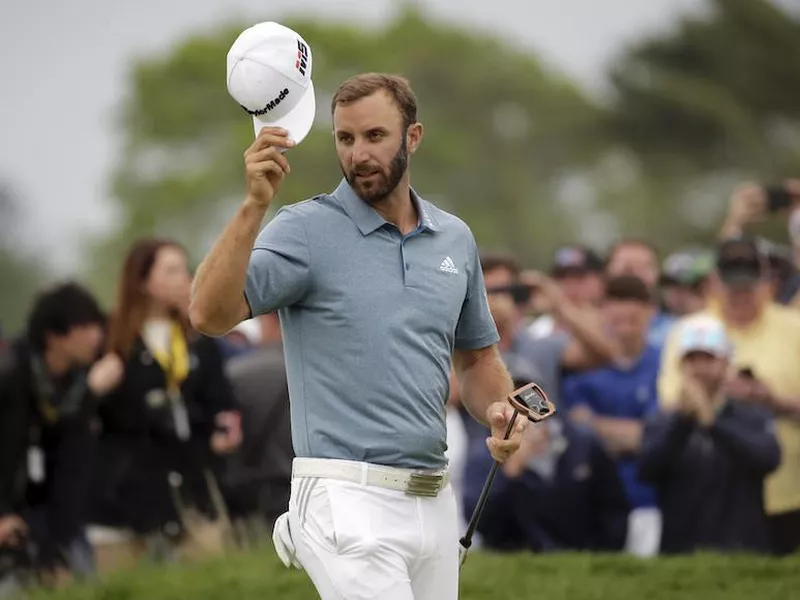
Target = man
(708,455)
(750,203)
(766,342)
(560,491)
(47,401)
(614,400)
(578,271)
(631,256)
(684,281)
(581,345)
(378,291)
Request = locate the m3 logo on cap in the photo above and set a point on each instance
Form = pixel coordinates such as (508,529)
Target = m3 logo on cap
(302,58)
(271,104)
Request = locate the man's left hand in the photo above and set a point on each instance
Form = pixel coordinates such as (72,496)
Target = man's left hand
(499,416)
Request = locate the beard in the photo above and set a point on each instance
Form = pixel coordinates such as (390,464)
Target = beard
(383,182)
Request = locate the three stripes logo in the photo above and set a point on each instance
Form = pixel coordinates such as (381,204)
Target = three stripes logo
(448,266)
(301,64)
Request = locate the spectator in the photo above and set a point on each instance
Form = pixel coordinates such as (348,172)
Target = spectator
(766,341)
(636,257)
(171,413)
(614,400)
(509,289)
(258,474)
(709,455)
(47,400)
(750,203)
(559,491)
(684,281)
(578,270)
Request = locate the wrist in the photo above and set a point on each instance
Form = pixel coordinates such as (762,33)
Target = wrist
(732,227)
(256,204)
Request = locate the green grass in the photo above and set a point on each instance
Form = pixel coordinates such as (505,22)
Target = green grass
(259,576)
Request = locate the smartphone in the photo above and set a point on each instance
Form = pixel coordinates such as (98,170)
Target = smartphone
(778,198)
(747,372)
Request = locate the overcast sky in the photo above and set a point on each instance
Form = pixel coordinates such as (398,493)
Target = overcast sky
(63,73)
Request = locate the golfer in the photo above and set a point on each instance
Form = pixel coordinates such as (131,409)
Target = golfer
(377,289)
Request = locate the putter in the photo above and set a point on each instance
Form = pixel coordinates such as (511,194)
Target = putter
(531,401)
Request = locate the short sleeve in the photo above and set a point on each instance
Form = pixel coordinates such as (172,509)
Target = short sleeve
(475,328)
(278,273)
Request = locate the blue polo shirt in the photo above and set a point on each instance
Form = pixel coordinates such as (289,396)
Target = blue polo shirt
(370,319)
(628,393)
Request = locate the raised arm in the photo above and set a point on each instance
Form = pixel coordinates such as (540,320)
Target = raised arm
(218,293)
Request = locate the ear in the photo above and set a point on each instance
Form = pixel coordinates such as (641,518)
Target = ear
(414,137)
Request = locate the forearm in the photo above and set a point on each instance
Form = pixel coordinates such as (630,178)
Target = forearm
(621,436)
(482,382)
(785,406)
(730,229)
(587,331)
(218,288)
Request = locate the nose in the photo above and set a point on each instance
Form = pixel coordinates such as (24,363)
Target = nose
(360,154)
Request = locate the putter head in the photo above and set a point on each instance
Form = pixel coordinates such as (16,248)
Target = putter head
(532,401)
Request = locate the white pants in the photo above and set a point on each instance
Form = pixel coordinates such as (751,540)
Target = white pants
(644,532)
(359,542)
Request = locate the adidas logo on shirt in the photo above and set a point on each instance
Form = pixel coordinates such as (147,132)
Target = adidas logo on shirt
(448,266)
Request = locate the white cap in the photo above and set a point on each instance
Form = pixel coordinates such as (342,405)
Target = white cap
(269,75)
(703,333)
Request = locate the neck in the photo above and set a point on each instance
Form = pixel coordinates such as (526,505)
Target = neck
(634,350)
(56,363)
(739,320)
(398,208)
(157,311)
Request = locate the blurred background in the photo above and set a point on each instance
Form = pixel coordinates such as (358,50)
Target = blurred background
(547,123)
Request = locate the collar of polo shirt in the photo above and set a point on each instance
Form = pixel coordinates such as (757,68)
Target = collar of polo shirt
(367,219)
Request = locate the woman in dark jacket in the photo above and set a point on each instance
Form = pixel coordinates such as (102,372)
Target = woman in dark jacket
(171,417)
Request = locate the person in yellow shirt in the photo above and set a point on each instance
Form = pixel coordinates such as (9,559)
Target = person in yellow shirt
(766,341)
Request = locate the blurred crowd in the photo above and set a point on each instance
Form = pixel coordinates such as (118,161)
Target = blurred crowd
(125,435)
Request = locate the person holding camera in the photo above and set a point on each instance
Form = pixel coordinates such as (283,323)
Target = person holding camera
(47,400)
(709,453)
(753,202)
(766,343)
(169,415)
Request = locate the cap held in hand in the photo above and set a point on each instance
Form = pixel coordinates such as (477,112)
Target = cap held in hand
(269,76)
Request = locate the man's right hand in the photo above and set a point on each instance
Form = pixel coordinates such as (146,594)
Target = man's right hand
(266,166)
(747,205)
(12,528)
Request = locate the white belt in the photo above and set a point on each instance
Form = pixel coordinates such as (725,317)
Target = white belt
(414,483)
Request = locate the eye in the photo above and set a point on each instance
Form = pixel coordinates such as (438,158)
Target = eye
(345,138)
(375,135)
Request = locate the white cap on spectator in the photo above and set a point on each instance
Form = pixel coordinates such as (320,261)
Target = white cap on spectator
(269,75)
(703,333)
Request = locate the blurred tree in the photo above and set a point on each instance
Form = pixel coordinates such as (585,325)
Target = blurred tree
(501,132)
(20,273)
(705,106)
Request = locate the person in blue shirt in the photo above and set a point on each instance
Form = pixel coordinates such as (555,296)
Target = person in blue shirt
(631,256)
(614,400)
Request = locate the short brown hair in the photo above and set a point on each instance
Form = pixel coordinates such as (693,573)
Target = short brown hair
(628,288)
(499,260)
(365,84)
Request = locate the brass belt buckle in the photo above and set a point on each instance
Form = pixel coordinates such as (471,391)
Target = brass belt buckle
(424,484)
